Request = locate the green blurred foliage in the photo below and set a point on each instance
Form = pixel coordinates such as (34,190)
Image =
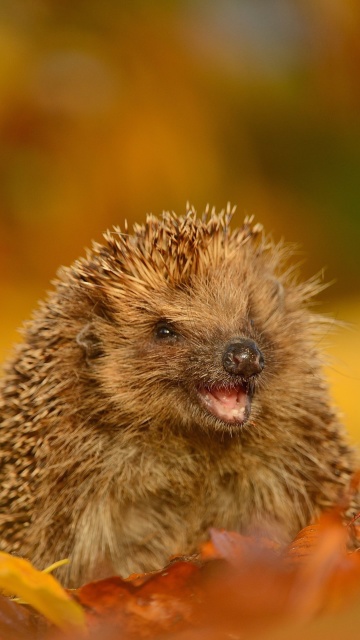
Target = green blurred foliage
(109,110)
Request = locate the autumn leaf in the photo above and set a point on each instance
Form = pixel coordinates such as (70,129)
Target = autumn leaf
(238,586)
(144,606)
(328,576)
(16,622)
(41,591)
(246,587)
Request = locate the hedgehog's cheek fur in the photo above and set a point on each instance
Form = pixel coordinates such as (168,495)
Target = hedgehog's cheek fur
(230,405)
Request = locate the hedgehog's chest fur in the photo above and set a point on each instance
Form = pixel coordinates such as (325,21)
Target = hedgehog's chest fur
(161,505)
(152,494)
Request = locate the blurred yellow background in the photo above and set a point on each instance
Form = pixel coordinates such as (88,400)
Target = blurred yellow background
(109,110)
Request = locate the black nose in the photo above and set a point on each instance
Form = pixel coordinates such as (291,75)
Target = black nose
(243,357)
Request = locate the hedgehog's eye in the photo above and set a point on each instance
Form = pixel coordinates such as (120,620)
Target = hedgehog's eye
(165,331)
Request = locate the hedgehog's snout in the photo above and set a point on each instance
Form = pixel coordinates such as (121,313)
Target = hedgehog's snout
(242,357)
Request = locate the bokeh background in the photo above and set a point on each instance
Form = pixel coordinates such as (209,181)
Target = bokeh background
(109,110)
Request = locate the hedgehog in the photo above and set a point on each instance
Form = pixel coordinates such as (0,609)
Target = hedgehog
(171,382)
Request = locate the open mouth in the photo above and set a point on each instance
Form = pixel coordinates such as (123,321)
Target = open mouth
(231,405)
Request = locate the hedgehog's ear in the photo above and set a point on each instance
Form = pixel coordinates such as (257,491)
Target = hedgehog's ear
(88,340)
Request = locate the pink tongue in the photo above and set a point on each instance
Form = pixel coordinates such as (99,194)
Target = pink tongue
(228,398)
(228,405)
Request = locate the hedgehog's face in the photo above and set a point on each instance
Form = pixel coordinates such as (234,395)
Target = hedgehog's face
(203,355)
(225,394)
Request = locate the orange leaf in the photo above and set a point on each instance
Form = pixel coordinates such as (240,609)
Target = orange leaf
(328,575)
(146,605)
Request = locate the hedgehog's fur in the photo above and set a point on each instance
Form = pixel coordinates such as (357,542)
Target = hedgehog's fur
(107,455)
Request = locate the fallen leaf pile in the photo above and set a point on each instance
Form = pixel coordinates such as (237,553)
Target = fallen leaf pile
(238,588)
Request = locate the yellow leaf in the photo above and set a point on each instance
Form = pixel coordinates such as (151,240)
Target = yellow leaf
(41,591)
